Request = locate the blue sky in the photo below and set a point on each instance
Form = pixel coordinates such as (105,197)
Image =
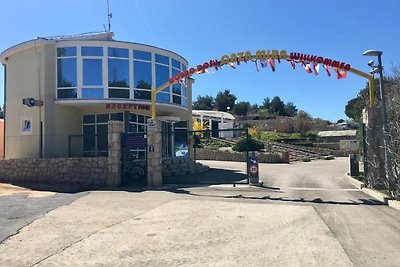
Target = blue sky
(208,29)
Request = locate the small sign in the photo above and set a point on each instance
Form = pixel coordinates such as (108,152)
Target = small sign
(31,102)
(151,126)
(253,169)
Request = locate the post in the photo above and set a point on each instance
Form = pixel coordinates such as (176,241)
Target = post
(114,153)
(154,160)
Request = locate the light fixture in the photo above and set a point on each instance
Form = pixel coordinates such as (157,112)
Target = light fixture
(372,53)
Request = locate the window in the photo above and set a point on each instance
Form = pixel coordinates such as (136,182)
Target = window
(162,75)
(92,72)
(93,51)
(118,77)
(142,55)
(142,80)
(66,72)
(95,133)
(118,52)
(162,59)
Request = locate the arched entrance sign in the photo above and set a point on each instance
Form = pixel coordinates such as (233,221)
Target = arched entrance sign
(310,63)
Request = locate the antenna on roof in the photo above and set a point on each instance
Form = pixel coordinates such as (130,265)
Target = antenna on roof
(109,16)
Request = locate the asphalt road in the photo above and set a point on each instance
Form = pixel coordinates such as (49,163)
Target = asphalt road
(306,215)
(368,231)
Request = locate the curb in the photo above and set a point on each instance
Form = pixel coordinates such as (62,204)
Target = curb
(395,204)
(355,182)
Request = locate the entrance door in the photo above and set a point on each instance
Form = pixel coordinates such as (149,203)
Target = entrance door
(134,158)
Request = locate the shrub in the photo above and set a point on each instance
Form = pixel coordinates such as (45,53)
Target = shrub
(254,145)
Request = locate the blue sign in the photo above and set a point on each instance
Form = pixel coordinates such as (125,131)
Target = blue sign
(31,102)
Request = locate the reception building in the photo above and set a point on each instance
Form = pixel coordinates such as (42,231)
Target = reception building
(61,92)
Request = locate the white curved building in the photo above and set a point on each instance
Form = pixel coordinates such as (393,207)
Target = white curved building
(84,82)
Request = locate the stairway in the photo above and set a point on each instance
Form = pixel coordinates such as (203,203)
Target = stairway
(297,153)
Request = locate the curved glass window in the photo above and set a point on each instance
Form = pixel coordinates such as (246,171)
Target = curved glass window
(163,97)
(142,75)
(162,59)
(92,93)
(118,52)
(92,72)
(162,75)
(66,52)
(92,51)
(66,72)
(142,55)
(118,93)
(66,93)
(118,73)
(176,64)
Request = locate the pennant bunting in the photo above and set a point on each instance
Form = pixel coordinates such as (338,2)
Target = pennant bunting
(255,62)
(316,68)
(272,63)
(263,63)
(327,70)
(293,64)
(306,66)
(341,74)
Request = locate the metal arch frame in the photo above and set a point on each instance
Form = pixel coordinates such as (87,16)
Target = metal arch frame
(370,78)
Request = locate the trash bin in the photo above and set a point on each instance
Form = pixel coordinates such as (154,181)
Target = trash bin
(253,167)
(353,165)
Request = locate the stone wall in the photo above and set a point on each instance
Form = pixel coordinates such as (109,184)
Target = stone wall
(181,166)
(82,171)
(205,154)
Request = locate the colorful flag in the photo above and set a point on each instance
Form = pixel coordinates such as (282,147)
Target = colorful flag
(292,63)
(316,68)
(272,63)
(263,63)
(232,65)
(306,66)
(255,62)
(341,74)
(327,70)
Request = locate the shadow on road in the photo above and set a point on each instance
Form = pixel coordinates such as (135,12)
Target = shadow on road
(212,176)
(361,201)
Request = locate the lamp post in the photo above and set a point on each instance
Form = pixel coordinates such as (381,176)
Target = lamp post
(388,159)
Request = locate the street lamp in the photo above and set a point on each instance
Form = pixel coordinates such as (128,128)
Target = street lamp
(375,69)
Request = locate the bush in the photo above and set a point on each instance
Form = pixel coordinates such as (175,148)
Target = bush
(254,145)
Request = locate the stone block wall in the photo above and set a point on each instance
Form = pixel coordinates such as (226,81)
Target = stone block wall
(82,171)
(181,166)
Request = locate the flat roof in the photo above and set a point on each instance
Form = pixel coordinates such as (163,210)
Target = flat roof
(337,133)
(213,114)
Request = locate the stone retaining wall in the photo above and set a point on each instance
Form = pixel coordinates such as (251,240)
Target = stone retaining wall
(205,154)
(82,171)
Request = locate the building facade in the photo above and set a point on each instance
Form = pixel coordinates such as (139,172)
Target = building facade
(81,83)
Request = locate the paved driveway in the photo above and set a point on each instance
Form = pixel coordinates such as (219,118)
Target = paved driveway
(307,216)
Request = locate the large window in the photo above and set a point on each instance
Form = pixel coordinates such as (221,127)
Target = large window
(142,77)
(162,75)
(101,72)
(92,72)
(118,73)
(66,72)
(95,133)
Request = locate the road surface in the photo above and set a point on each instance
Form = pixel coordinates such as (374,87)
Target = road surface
(307,215)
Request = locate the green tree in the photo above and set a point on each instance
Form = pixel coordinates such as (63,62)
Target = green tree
(204,103)
(241,108)
(225,99)
(302,122)
(277,106)
(266,104)
(290,109)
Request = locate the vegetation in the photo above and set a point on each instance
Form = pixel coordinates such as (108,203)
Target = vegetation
(251,145)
